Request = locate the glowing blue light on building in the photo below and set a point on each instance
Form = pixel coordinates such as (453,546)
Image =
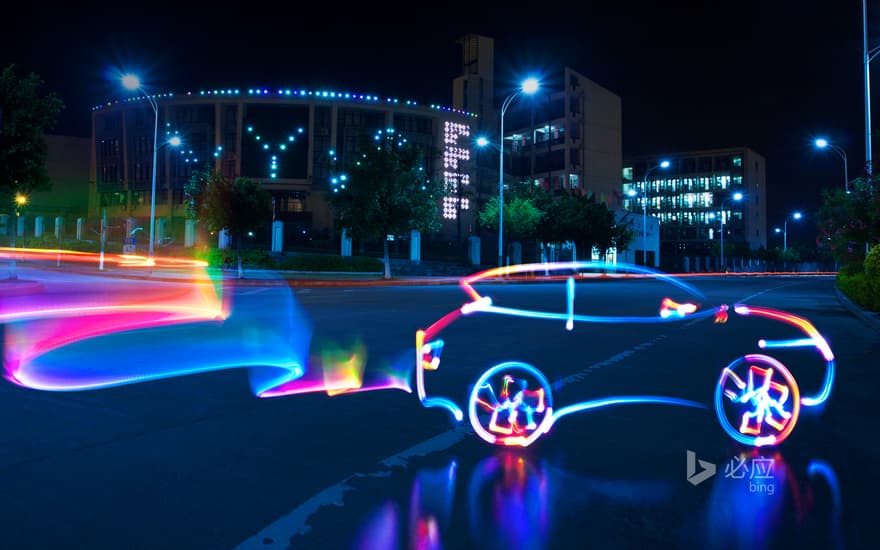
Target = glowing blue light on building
(273,175)
(299,130)
(332,152)
(283,147)
(257,138)
(266,146)
(343,177)
(289,138)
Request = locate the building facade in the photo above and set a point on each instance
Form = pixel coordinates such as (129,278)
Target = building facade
(291,141)
(567,136)
(693,199)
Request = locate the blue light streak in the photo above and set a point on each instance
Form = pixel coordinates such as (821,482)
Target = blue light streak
(625,400)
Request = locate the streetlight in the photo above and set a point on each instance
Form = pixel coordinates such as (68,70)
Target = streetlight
(822,143)
(20,202)
(735,197)
(528,86)
(132,82)
(797,216)
(663,164)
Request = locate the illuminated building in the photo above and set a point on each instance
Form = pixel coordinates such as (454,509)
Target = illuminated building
(290,140)
(694,195)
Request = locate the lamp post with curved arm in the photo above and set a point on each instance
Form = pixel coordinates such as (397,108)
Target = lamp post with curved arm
(132,82)
(529,86)
(822,143)
(663,164)
(735,197)
(795,215)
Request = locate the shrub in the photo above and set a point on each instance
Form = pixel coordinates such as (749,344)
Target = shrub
(294,262)
(872,274)
(326,262)
(859,291)
(852,268)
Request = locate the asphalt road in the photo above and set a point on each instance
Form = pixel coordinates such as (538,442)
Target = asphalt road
(197,461)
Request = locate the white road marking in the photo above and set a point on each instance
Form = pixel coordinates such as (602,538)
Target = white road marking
(279,533)
(295,522)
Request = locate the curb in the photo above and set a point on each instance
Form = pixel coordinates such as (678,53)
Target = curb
(869,318)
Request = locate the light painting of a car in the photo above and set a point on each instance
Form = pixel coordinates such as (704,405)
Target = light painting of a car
(756,399)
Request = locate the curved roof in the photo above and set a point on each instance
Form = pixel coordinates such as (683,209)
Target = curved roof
(278,93)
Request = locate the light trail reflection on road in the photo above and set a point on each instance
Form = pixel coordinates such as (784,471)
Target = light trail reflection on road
(513,500)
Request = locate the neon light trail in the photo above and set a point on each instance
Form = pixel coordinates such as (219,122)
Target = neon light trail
(511,402)
(75,332)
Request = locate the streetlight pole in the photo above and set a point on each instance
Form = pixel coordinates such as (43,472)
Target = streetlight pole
(822,144)
(663,164)
(528,86)
(797,216)
(735,197)
(867,59)
(132,82)
(20,202)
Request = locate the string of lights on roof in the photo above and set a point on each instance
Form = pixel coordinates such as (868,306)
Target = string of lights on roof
(287,92)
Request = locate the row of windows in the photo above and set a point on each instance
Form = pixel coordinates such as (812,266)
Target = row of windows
(672,185)
(697,218)
(688,165)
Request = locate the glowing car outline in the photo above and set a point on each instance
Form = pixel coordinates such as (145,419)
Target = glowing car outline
(523,429)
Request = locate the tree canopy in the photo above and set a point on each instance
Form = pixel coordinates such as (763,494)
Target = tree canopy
(558,217)
(24,115)
(385,191)
(847,221)
(238,206)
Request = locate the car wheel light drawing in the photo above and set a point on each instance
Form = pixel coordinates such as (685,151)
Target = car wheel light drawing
(756,398)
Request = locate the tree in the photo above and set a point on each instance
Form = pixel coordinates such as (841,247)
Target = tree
(386,191)
(849,222)
(521,217)
(579,218)
(24,116)
(238,206)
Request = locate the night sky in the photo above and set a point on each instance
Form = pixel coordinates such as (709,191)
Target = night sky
(771,74)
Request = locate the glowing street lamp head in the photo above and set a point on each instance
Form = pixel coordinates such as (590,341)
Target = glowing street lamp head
(20,200)
(664,164)
(482,141)
(737,196)
(797,215)
(632,193)
(777,230)
(530,85)
(175,141)
(131,82)
(821,143)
